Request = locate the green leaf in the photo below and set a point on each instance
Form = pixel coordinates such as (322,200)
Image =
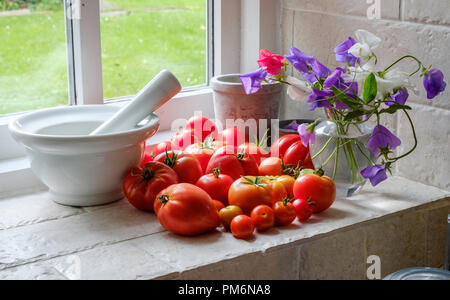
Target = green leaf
(370,88)
(393,109)
(354,114)
(345,99)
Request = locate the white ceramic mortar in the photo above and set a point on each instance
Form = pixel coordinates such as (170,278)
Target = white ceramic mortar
(81,170)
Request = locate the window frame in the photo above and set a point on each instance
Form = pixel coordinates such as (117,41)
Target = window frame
(237,29)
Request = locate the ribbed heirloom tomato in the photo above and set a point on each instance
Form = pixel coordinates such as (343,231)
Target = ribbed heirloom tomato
(186,209)
(141,186)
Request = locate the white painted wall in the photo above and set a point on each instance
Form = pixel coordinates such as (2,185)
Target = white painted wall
(417,27)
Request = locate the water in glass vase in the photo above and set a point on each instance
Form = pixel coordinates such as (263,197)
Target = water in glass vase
(340,150)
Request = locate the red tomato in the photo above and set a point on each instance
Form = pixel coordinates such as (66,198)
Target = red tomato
(254,151)
(296,154)
(203,127)
(242,227)
(185,138)
(228,213)
(272,166)
(202,152)
(219,205)
(148,156)
(232,137)
(280,146)
(162,148)
(249,192)
(186,166)
(308,163)
(320,190)
(216,185)
(142,185)
(232,163)
(303,210)
(284,212)
(263,217)
(187,210)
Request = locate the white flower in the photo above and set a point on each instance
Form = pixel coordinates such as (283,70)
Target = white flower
(394,79)
(359,74)
(297,90)
(367,42)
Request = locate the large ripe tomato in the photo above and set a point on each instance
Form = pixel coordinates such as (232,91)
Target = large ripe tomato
(216,185)
(258,153)
(320,190)
(280,146)
(232,163)
(187,210)
(203,126)
(203,152)
(186,166)
(232,137)
(242,227)
(249,192)
(185,138)
(284,212)
(263,217)
(296,154)
(141,185)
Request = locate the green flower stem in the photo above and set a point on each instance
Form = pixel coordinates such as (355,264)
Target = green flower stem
(324,147)
(393,160)
(402,58)
(357,143)
(336,161)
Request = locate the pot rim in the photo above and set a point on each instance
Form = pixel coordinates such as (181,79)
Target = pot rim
(219,83)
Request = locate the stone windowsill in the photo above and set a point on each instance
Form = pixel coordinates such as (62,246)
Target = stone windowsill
(401,221)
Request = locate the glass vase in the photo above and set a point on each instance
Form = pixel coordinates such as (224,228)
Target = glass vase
(340,150)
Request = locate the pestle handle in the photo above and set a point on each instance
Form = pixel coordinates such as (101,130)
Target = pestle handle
(156,93)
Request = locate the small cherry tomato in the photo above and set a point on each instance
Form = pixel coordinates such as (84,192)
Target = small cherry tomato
(303,210)
(263,217)
(219,205)
(285,212)
(242,227)
(228,213)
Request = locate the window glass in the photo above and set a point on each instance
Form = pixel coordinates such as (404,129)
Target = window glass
(142,37)
(33,59)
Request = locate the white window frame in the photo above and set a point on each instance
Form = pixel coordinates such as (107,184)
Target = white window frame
(237,29)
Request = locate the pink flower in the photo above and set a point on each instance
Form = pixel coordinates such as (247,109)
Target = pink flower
(271,61)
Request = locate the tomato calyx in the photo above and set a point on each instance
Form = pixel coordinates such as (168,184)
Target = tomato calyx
(170,160)
(319,172)
(291,169)
(258,181)
(163,199)
(216,172)
(263,142)
(240,156)
(287,200)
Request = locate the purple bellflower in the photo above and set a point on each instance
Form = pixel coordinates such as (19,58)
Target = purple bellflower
(434,83)
(376,174)
(382,139)
(252,81)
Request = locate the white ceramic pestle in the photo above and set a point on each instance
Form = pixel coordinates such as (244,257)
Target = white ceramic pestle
(156,93)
